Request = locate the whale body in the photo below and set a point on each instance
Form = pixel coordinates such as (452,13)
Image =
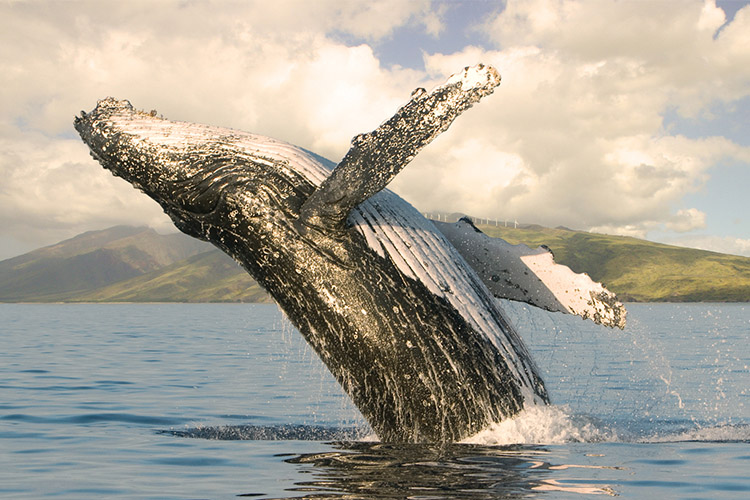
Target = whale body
(409,329)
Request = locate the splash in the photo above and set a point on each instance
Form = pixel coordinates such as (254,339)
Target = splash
(544,425)
(551,425)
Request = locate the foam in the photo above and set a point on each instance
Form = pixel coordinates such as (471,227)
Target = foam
(543,425)
(551,425)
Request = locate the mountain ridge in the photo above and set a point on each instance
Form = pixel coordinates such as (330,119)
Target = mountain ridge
(136,264)
(91,260)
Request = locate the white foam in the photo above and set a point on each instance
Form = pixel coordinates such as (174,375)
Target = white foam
(542,425)
(550,425)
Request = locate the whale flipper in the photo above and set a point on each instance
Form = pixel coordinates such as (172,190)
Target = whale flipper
(517,272)
(376,157)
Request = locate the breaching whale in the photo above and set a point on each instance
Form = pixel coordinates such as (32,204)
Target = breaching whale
(400,310)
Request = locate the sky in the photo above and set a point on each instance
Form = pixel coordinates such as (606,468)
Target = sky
(619,117)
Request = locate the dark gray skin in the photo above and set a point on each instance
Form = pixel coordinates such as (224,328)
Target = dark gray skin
(411,363)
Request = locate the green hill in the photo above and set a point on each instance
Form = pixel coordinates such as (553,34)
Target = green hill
(125,264)
(208,277)
(89,261)
(639,270)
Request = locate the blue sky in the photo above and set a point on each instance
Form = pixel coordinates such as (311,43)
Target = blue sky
(618,117)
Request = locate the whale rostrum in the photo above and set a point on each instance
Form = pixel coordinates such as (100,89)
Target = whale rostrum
(403,320)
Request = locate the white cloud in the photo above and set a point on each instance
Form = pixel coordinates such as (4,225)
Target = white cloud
(50,189)
(200,59)
(266,67)
(721,244)
(573,136)
(686,220)
(641,46)
(373,20)
(585,87)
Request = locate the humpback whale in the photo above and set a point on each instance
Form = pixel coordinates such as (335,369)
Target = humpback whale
(402,311)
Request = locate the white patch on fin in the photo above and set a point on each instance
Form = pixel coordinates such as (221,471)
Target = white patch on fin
(517,272)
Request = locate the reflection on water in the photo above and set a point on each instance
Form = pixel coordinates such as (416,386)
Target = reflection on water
(352,467)
(371,469)
(358,466)
(377,470)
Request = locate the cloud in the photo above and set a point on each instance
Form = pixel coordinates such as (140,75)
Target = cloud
(721,244)
(687,220)
(40,196)
(573,136)
(631,48)
(272,68)
(577,121)
(210,62)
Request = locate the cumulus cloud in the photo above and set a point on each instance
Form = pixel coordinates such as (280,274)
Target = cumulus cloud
(272,68)
(578,121)
(573,136)
(686,220)
(41,193)
(243,65)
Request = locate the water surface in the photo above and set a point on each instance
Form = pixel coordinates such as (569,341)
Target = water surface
(226,401)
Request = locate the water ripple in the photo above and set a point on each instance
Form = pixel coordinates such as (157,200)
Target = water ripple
(89,418)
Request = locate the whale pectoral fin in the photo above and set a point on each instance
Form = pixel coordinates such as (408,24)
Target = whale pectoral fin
(517,272)
(376,157)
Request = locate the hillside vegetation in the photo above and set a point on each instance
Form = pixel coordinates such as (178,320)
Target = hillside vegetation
(126,264)
(208,277)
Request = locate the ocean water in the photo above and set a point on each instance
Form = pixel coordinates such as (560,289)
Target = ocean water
(224,401)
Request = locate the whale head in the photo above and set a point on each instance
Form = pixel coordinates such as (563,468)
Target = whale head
(207,179)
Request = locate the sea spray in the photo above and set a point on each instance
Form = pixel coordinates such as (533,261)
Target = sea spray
(543,425)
